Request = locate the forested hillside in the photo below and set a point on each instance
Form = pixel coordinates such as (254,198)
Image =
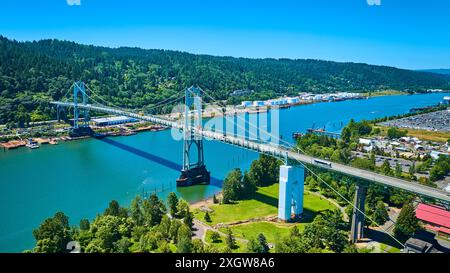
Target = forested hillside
(438,71)
(32,73)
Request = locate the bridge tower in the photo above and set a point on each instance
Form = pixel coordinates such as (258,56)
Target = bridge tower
(193,172)
(357,228)
(80,128)
(290,199)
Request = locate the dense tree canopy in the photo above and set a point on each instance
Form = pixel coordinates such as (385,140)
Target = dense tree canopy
(32,73)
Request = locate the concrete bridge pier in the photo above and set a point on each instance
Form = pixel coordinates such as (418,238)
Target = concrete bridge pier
(357,229)
(290,199)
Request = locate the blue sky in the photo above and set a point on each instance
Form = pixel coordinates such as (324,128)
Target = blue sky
(411,34)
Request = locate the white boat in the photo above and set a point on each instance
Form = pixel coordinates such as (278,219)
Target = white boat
(32,144)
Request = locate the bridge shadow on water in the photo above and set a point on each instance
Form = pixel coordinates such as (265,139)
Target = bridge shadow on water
(157,159)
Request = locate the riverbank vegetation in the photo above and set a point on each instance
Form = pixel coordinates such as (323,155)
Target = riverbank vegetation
(144,227)
(33,73)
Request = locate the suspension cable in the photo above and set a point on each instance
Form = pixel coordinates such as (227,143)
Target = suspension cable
(314,174)
(159,104)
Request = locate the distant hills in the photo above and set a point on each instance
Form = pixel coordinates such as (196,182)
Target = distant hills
(31,73)
(438,71)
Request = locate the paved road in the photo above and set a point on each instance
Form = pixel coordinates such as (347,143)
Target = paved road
(201,229)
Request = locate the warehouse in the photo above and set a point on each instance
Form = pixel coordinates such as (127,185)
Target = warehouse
(116,120)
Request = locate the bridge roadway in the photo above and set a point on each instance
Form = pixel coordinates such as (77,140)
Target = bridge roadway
(281,152)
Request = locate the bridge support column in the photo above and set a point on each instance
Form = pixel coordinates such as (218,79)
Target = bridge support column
(357,229)
(193,172)
(290,199)
(84,129)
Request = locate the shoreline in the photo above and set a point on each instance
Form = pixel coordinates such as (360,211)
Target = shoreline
(53,140)
(21,142)
(204,202)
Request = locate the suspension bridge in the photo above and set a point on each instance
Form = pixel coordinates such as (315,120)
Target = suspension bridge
(194,170)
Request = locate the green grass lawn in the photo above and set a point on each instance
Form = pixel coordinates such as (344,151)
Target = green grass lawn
(270,230)
(265,203)
(389,249)
(221,244)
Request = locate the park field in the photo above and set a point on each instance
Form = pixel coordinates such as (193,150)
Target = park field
(247,218)
(263,204)
(221,243)
(271,230)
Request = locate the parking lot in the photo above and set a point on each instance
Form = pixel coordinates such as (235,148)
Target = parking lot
(435,121)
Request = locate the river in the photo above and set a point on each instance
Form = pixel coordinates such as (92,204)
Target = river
(81,177)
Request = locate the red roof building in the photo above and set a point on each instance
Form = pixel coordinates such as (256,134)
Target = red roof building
(436,217)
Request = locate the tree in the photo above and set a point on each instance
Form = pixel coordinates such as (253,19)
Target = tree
(172,202)
(153,210)
(346,134)
(207,218)
(441,168)
(182,209)
(393,133)
(84,224)
(184,240)
(164,247)
(412,169)
(173,230)
(248,186)
(114,209)
(407,223)
(136,211)
(258,245)
(229,239)
(123,245)
(149,242)
(215,200)
(351,248)
(398,170)
(386,167)
(380,214)
(264,171)
(198,246)
(327,230)
(23,116)
(164,226)
(107,229)
(53,234)
(363,163)
(232,186)
(215,236)
(189,220)
(295,242)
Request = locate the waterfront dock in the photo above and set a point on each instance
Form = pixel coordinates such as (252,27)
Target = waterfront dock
(13,144)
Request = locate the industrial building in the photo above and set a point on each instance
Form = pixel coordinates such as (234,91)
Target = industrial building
(434,218)
(447,100)
(115,120)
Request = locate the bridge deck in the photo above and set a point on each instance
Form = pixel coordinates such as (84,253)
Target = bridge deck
(280,151)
